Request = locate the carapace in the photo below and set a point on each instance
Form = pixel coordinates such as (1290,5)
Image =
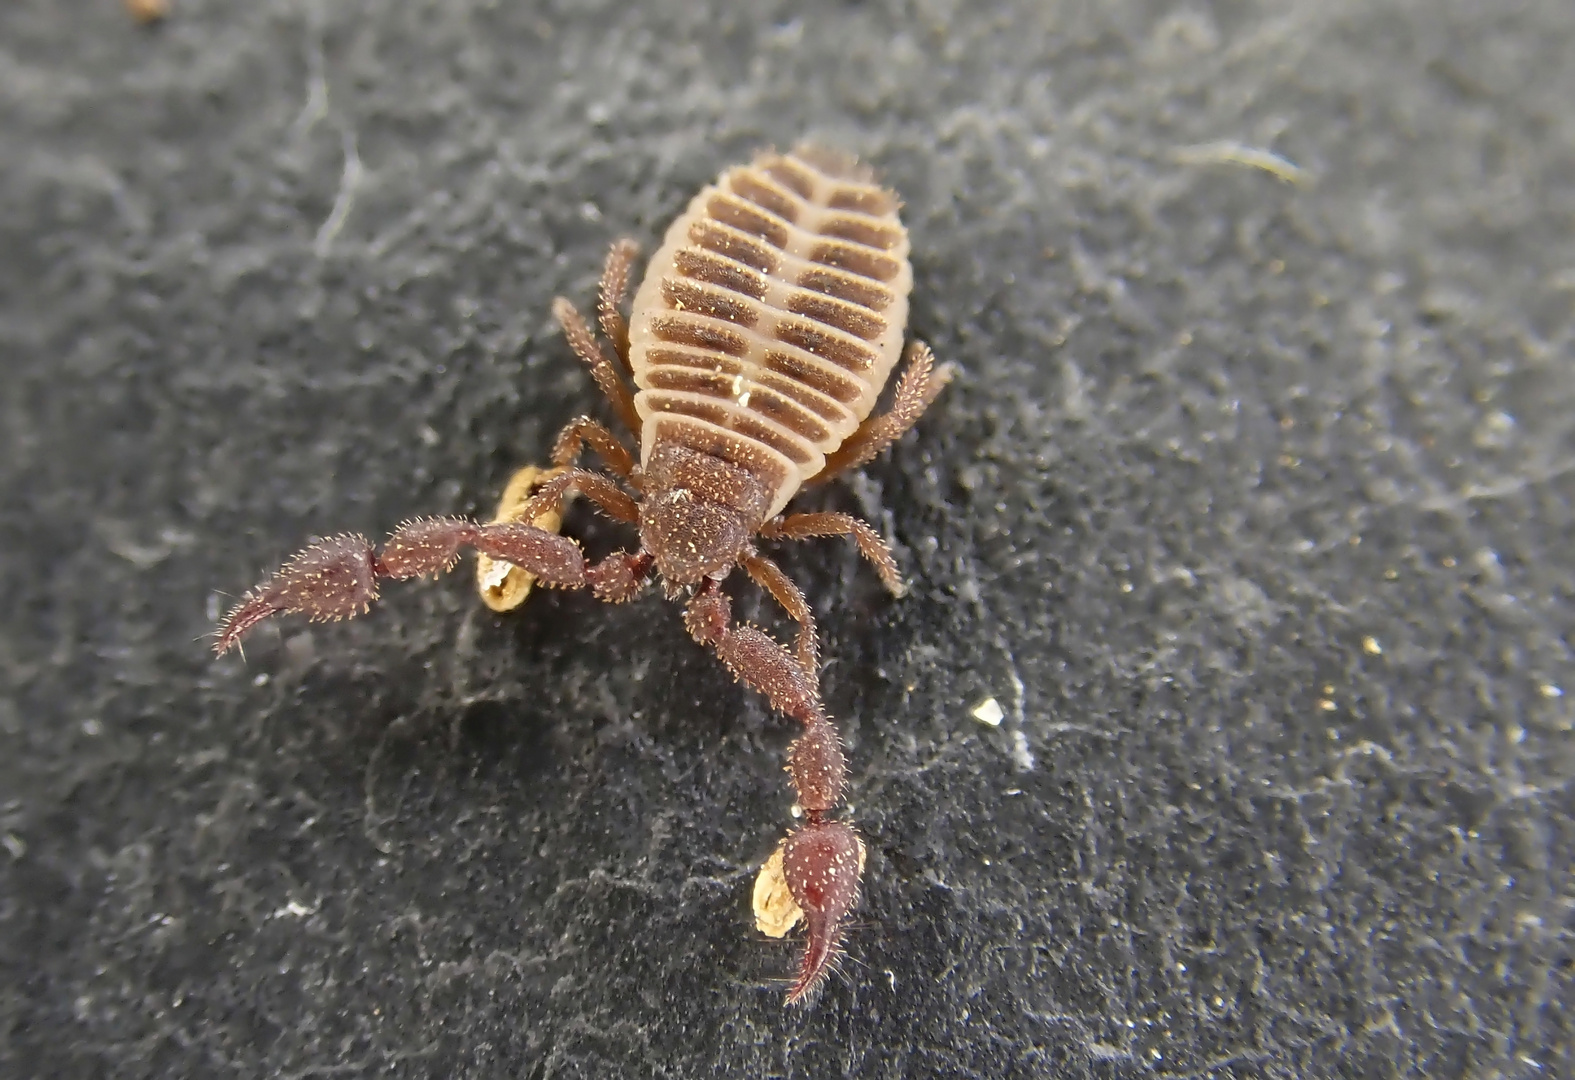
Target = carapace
(767,325)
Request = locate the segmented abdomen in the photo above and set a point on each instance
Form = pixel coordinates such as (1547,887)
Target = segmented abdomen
(772,315)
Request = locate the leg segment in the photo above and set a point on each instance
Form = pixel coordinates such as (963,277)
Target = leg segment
(753,657)
(337,578)
(920,384)
(871,546)
(823,860)
(769,576)
(584,344)
(619,577)
(612,499)
(582,430)
(615,282)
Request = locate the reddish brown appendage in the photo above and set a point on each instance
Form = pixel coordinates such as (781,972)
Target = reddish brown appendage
(921,383)
(337,578)
(821,861)
(871,546)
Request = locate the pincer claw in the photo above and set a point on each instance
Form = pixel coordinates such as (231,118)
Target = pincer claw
(822,862)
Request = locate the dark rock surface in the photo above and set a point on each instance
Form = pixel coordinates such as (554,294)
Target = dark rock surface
(1251,508)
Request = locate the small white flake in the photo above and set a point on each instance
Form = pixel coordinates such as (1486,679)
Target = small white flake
(294,910)
(1371,647)
(1022,757)
(989,712)
(496,574)
(1551,691)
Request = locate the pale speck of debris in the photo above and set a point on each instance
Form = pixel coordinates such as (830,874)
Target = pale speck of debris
(260,679)
(1229,152)
(494,575)
(1371,647)
(1551,691)
(14,844)
(1022,757)
(989,712)
(294,909)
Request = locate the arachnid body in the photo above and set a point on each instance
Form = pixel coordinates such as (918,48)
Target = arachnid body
(767,325)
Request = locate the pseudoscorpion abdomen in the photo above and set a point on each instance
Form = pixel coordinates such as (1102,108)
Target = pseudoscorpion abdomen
(772,315)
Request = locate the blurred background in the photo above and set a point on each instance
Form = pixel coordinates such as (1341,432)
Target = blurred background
(1247,521)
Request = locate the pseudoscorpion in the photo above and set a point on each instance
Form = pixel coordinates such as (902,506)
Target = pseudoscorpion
(768,323)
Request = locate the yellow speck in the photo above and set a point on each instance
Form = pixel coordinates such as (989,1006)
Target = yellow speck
(1549,690)
(1371,647)
(1326,705)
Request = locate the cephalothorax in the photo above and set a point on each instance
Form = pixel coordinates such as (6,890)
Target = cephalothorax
(768,323)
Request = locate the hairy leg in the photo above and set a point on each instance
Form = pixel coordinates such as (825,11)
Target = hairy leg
(919,386)
(871,546)
(607,377)
(615,283)
(582,430)
(769,576)
(610,377)
(823,860)
(608,496)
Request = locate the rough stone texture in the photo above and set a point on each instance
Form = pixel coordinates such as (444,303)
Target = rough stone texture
(1251,507)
